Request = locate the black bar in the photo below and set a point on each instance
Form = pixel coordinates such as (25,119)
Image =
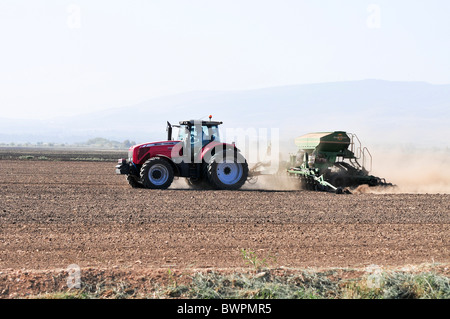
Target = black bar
(224,308)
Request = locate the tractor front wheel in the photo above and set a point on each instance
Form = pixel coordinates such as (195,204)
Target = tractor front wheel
(157,173)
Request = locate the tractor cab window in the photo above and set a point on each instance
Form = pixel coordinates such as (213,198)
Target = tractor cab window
(198,136)
(195,134)
(204,134)
(210,133)
(183,132)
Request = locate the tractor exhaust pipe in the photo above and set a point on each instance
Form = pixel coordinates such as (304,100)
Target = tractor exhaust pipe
(169,131)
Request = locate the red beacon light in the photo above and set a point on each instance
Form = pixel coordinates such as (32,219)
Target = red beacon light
(210,117)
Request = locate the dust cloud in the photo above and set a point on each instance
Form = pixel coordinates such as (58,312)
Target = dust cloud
(412,171)
(179,183)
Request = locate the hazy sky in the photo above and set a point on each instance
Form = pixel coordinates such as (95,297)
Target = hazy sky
(66,57)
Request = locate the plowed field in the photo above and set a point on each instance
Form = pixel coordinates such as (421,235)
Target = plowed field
(57,213)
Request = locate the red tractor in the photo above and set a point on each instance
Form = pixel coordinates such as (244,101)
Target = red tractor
(197,154)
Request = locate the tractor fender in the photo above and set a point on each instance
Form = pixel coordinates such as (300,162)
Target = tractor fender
(214,147)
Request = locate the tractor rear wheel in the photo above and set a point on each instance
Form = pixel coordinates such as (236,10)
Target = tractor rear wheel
(227,171)
(157,173)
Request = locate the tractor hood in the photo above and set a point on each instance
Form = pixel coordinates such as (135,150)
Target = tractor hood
(137,152)
(162,143)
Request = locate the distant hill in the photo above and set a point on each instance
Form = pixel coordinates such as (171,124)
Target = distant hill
(380,112)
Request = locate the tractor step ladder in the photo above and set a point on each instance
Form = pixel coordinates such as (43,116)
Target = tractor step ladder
(361,153)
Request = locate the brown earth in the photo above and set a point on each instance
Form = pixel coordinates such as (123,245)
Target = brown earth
(57,213)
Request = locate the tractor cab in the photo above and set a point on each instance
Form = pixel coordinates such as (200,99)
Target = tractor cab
(195,134)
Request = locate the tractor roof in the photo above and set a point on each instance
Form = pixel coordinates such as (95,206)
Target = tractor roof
(198,122)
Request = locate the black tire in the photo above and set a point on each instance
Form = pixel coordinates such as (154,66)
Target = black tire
(339,180)
(374,182)
(227,171)
(196,183)
(133,181)
(157,173)
(303,183)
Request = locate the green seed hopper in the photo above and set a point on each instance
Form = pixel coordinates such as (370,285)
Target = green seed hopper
(332,161)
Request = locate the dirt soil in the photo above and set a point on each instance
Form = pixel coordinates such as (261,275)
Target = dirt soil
(57,213)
